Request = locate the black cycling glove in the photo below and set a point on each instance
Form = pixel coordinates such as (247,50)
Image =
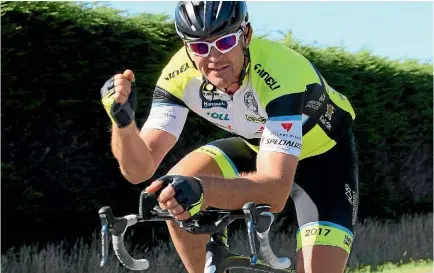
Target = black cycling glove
(188,191)
(120,114)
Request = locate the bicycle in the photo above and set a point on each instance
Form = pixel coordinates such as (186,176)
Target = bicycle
(211,221)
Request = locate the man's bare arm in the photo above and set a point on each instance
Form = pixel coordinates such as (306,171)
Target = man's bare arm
(271,184)
(140,153)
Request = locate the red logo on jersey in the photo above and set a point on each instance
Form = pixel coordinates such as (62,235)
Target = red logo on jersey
(287,126)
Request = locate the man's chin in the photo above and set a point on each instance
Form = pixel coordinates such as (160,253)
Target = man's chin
(220,83)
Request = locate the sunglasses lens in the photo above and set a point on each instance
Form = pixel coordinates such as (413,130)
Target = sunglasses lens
(227,42)
(199,48)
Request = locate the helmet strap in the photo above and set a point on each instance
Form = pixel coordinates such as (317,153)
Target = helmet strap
(245,64)
(246,57)
(188,54)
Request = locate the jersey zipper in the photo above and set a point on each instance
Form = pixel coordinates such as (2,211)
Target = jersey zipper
(239,123)
(232,122)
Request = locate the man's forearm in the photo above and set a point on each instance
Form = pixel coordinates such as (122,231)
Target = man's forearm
(234,193)
(134,157)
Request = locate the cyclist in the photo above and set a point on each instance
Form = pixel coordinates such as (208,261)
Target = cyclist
(292,135)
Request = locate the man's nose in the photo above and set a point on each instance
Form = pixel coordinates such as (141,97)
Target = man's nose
(214,54)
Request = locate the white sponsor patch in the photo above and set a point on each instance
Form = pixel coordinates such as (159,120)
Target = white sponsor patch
(283,135)
(167,117)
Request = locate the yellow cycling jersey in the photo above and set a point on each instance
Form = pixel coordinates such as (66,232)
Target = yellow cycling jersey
(284,104)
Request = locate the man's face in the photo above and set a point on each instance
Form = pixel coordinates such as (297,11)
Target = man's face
(222,69)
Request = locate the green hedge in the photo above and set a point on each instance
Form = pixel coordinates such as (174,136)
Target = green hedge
(57,166)
(393,104)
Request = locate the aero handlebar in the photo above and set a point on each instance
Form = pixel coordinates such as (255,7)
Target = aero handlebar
(258,220)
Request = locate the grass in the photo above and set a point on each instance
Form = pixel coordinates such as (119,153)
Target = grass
(403,246)
(420,266)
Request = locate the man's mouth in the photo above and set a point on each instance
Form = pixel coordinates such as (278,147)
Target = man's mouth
(219,68)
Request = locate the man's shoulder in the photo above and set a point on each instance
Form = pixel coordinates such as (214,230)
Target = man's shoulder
(177,65)
(275,52)
(177,72)
(275,68)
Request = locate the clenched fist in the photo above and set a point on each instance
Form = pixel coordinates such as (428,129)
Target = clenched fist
(119,98)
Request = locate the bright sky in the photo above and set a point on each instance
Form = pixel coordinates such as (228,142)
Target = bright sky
(396,29)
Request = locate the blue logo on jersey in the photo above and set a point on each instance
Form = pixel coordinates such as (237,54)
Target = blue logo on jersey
(218,116)
(214,103)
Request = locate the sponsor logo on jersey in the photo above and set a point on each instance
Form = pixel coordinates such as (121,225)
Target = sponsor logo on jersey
(330,111)
(227,127)
(214,103)
(218,116)
(250,102)
(313,104)
(326,118)
(256,119)
(342,97)
(283,142)
(324,122)
(175,73)
(169,115)
(260,130)
(287,126)
(285,135)
(210,98)
(210,92)
(322,98)
(270,81)
(252,105)
(211,95)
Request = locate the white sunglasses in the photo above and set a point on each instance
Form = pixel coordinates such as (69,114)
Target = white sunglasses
(223,44)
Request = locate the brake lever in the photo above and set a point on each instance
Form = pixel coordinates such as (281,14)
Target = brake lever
(251,213)
(105,239)
(147,203)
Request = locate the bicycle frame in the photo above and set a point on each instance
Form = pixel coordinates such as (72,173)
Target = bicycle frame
(212,221)
(219,258)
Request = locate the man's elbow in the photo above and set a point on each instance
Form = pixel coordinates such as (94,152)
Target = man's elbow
(279,199)
(277,207)
(136,177)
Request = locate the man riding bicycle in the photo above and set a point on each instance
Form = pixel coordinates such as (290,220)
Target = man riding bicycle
(292,135)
